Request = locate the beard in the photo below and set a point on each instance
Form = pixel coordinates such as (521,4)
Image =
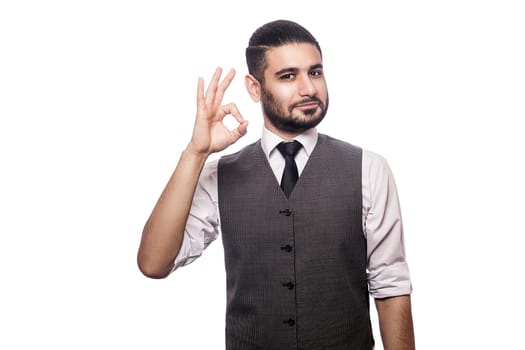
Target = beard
(290,120)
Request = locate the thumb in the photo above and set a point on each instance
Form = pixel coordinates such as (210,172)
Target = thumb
(241,130)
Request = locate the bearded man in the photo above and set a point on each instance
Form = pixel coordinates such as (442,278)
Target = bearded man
(311,225)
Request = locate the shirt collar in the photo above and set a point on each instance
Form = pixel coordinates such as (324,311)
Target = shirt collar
(269,141)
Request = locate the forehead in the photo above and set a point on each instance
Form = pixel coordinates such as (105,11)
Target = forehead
(296,55)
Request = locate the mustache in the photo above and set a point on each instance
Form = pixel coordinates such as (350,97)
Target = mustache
(307,100)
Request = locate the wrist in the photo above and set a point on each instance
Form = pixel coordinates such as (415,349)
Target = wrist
(195,152)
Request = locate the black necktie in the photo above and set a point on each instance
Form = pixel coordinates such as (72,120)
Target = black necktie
(290,175)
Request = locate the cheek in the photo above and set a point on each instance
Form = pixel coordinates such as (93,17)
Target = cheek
(284,95)
(322,89)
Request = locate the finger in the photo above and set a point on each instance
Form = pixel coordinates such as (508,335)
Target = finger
(212,88)
(200,95)
(223,86)
(242,128)
(202,109)
(231,109)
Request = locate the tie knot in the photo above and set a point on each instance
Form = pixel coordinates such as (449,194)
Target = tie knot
(289,149)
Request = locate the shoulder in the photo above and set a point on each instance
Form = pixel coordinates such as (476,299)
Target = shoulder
(208,176)
(374,158)
(210,168)
(248,151)
(332,142)
(376,168)
(372,162)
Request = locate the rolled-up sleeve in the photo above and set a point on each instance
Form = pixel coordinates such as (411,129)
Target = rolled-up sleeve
(388,273)
(202,227)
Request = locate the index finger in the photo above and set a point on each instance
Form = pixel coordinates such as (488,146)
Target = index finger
(223,86)
(212,88)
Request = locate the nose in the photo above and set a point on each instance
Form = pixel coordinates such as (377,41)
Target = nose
(306,85)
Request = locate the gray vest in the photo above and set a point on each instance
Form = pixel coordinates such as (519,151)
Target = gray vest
(295,267)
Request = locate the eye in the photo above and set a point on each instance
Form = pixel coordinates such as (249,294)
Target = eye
(316,73)
(287,76)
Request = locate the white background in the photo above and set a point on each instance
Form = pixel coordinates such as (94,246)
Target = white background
(97,101)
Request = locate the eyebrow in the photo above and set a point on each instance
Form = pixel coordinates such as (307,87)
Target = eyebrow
(295,69)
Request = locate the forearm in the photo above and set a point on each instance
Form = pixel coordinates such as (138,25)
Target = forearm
(395,322)
(164,230)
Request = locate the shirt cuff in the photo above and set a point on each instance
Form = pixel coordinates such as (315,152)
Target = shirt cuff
(392,281)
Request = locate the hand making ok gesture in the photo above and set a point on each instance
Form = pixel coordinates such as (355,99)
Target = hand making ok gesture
(210,134)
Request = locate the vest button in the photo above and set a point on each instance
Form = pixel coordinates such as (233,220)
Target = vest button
(290,322)
(287,248)
(289,285)
(286,212)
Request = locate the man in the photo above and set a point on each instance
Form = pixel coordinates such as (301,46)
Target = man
(301,255)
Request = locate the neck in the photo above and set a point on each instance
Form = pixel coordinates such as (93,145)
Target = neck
(285,135)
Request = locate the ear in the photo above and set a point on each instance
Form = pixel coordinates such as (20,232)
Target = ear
(253,87)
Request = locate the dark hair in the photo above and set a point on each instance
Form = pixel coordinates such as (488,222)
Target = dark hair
(274,34)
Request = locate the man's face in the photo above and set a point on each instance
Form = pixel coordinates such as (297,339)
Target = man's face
(294,95)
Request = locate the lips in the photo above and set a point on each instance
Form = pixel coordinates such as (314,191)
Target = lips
(307,105)
(310,103)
